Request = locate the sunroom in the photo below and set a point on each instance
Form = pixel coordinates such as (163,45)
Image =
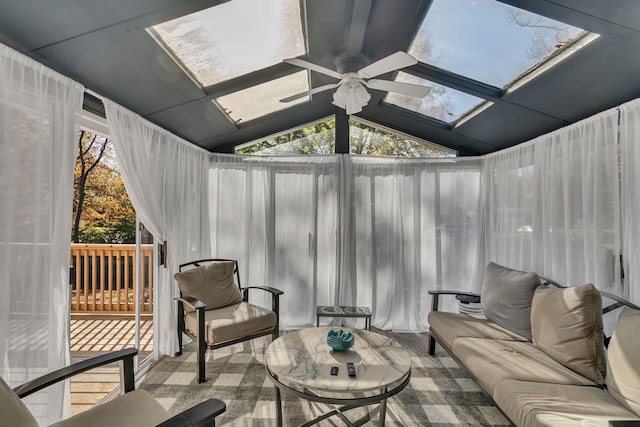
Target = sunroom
(524,151)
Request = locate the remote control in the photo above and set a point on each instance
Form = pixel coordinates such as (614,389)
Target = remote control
(351,370)
(334,370)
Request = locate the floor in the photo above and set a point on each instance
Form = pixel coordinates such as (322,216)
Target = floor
(440,392)
(92,336)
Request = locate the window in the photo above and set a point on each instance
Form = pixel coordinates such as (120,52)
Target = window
(314,138)
(443,103)
(214,46)
(487,41)
(365,138)
(263,99)
(499,42)
(375,140)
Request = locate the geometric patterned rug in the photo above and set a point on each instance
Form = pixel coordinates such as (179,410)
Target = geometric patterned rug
(440,392)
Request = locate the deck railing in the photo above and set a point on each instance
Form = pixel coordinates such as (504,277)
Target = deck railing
(103,279)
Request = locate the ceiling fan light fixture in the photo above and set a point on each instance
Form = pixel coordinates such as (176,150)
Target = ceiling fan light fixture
(352,92)
(352,97)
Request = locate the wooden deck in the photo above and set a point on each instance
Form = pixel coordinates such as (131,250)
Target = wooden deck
(92,336)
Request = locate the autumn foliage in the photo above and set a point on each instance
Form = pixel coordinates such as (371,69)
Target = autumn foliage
(102,211)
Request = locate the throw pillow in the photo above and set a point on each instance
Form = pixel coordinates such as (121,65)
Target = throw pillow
(623,360)
(566,323)
(506,298)
(213,284)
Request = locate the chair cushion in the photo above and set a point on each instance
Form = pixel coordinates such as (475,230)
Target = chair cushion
(213,284)
(566,323)
(235,321)
(449,326)
(623,361)
(530,403)
(506,298)
(137,408)
(492,361)
(13,412)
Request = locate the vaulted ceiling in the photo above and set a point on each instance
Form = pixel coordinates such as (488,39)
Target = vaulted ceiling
(111,48)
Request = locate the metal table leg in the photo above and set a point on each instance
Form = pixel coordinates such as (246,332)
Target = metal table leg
(278,407)
(383,410)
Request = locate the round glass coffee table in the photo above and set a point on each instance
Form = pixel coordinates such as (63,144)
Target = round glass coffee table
(299,363)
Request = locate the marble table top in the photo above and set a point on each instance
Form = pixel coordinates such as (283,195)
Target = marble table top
(303,359)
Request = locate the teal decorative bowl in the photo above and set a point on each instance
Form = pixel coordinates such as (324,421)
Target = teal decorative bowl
(339,340)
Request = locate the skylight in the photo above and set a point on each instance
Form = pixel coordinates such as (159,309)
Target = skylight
(233,38)
(487,40)
(263,99)
(443,103)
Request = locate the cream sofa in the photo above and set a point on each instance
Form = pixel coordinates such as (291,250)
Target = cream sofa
(540,352)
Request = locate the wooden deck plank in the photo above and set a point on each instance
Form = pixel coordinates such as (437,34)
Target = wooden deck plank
(94,336)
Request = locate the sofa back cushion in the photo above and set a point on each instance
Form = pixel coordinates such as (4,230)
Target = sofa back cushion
(623,361)
(12,411)
(506,298)
(566,323)
(212,283)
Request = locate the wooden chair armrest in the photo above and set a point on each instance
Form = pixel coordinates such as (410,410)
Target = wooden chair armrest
(202,414)
(125,356)
(192,302)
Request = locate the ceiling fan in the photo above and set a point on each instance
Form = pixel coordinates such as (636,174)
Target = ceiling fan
(351,93)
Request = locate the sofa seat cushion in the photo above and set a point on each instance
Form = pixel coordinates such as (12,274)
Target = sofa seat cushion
(531,404)
(449,326)
(234,321)
(492,361)
(136,408)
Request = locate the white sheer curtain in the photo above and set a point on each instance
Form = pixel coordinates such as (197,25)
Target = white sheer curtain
(345,230)
(630,166)
(277,217)
(415,229)
(166,179)
(39,116)
(552,205)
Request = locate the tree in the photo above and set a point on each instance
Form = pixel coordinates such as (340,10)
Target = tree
(550,36)
(373,141)
(438,103)
(103,211)
(90,152)
(317,138)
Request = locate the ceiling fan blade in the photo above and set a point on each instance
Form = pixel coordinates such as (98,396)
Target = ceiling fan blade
(314,67)
(310,92)
(392,62)
(408,89)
